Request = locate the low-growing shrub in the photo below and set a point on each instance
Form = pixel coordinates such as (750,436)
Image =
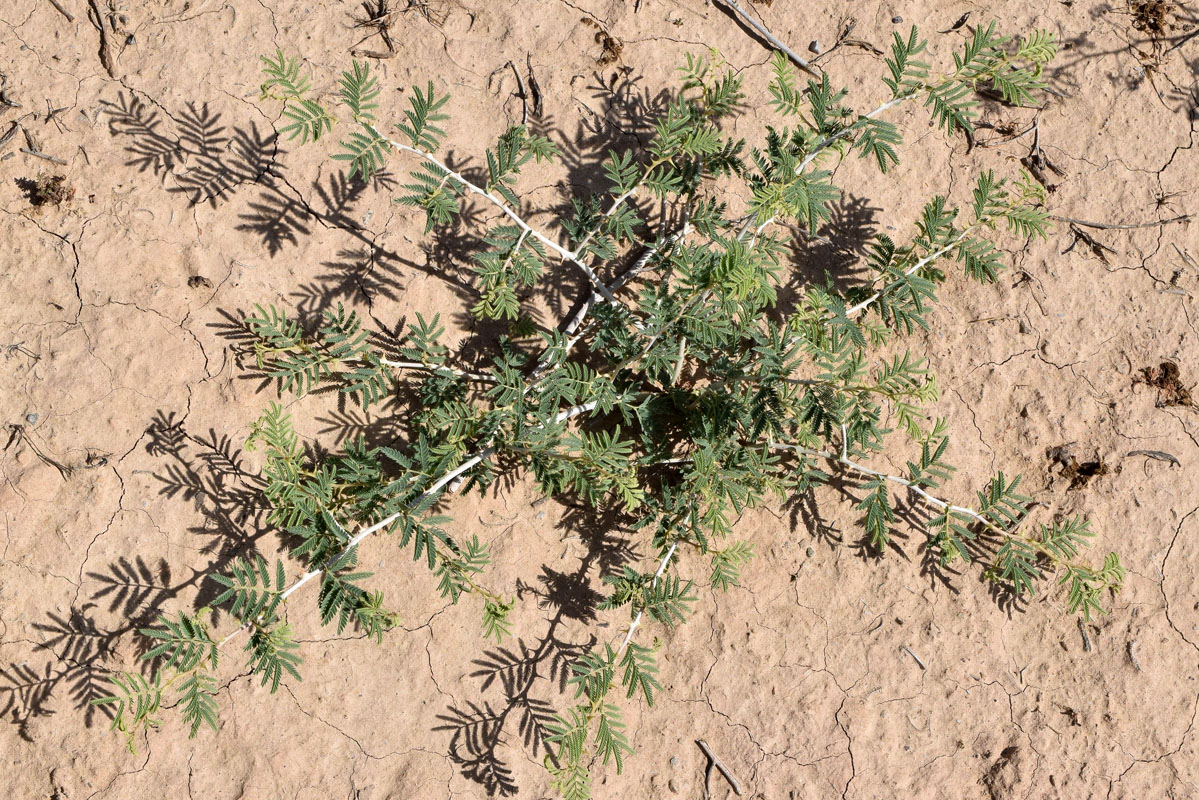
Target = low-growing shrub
(680,392)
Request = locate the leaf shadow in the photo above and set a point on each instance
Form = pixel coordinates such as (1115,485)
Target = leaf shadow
(128,594)
(515,682)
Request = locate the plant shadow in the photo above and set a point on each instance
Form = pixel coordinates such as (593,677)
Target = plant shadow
(834,256)
(207,471)
(196,154)
(518,684)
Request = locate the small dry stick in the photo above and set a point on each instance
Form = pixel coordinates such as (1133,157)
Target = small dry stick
(46,156)
(52,112)
(1097,247)
(7,137)
(35,150)
(1002,139)
(734,6)
(713,761)
(1036,160)
(908,650)
(5,100)
(1128,227)
(11,350)
(380,19)
(18,435)
(1160,455)
(1132,654)
(1086,637)
(961,21)
(1185,256)
(524,96)
(97,19)
(533,87)
(62,10)
(843,38)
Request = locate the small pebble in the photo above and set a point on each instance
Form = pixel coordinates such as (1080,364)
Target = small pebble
(815,46)
(129,39)
(674,761)
(32,418)
(810,552)
(672,786)
(897,19)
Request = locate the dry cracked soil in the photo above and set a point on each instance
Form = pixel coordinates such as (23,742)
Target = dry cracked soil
(149,202)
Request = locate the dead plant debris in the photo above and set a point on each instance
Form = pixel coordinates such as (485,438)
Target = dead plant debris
(1079,472)
(612,47)
(1153,17)
(379,18)
(44,190)
(1166,378)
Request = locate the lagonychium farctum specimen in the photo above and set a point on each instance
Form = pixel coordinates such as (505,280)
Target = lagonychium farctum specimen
(679,391)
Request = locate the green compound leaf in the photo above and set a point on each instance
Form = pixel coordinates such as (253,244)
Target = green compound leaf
(183,643)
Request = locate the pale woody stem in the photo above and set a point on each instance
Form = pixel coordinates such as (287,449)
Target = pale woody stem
(441,483)
(577,320)
(600,289)
(770,37)
(636,623)
(567,255)
(470,376)
(824,145)
(844,459)
(928,259)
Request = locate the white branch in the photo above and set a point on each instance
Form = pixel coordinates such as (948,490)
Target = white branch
(637,619)
(820,148)
(472,376)
(842,459)
(841,134)
(928,259)
(638,267)
(441,483)
(567,255)
(770,37)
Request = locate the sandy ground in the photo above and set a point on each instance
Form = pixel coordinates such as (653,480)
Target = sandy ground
(125,483)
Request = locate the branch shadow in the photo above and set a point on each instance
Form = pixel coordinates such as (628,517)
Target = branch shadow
(207,471)
(911,517)
(1151,45)
(202,159)
(623,121)
(835,255)
(804,509)
(196,154)
(516,682)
